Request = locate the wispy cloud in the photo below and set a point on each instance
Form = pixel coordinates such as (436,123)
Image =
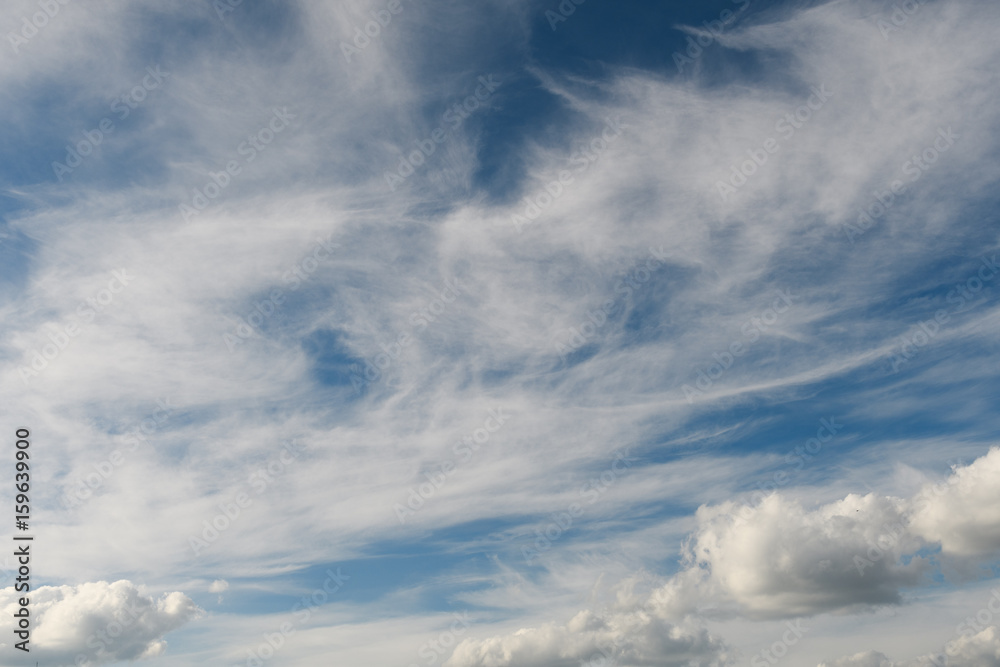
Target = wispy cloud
(293,238)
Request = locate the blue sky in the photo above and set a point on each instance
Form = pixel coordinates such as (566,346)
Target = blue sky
(518,333)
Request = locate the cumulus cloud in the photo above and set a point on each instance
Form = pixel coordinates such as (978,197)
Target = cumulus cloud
(964,516)
(979,650)
(219,586)
(971,650)
(777,559)
(628,638)
(655,184)
(104,622)
(864,659)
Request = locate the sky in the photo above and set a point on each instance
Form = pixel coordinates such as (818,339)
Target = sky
(507,333)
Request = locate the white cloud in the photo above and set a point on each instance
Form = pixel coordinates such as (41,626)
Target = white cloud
(865,659)
(776,559)
(972,650)
(218,586)
(105,622)
(627,638)
(964,515)
(981,649)
(654,185)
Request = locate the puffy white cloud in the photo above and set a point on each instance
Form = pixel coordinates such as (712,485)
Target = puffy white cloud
(104,622)
(865,659)
(218,586)
(970,650)
(625,637)
(963,514)
(654,185)
(978,650)
(776,559)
